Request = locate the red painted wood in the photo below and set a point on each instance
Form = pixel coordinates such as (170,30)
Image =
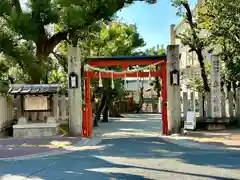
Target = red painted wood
(84,122)
(124,62)
(134,74)
(87,111)
(88,106)
(164,99)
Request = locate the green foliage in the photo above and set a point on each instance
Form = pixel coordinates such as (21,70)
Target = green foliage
(192,36)
(221,21)
(158,50)
(196,83)
(25,38)
(106,39)
(4,86)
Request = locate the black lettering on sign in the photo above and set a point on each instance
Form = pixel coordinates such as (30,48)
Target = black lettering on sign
(216,84)
(73,60)
(216,100)
(216,66)
(215,109)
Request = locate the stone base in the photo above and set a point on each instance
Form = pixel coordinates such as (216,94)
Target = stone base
(216,127)
(35,130)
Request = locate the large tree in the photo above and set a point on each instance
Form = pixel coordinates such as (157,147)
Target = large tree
(221,20)
(192,36)
(113,38)
(25,35)
(116,39)
(156,82)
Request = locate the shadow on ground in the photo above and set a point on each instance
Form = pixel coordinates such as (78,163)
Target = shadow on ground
(136,157)
(108,161)
(214,143)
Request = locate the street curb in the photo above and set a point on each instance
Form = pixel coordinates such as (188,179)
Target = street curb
(83,142)
(196,145)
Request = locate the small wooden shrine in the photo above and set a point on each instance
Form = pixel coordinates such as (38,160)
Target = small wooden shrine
(37,109)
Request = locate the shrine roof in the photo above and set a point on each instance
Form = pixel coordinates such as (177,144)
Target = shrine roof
(34,88)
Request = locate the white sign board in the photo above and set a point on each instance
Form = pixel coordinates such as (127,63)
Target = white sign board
(190,122)
(216,87)
(35,103)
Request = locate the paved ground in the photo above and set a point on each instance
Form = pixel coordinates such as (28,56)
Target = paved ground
(229,139)
(12,148)
(131,149)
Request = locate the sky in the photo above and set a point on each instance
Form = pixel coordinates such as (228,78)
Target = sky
(153,21)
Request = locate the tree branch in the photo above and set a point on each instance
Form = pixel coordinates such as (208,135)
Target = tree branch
(55,40)
(17,5)
(62,60)
(60,36)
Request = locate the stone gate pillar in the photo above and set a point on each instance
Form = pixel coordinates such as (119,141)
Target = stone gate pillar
(216,88)
(75,94)
(173,91)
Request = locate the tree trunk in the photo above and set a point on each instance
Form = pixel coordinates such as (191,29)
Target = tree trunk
(99,109)
(105,111)
(112,110)
(234,86)
(203,71)
(35,80)
(107,106)
(140,104)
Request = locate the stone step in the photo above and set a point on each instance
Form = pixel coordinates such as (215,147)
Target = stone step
(216,127)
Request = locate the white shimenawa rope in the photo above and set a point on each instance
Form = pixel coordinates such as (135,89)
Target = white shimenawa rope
(125,81)
(100,81)
(112,85)
(89,67)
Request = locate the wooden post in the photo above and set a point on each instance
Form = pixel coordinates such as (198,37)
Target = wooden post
(230,103)
(238,104)
(89,106)
(63,107)
(185,104)
(164,99)
(87,118)
(200,100)
(55,107)
(223,104)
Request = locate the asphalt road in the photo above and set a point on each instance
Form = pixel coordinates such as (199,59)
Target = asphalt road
(130,149)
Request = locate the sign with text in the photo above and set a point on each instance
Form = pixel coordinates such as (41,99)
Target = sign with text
(36,103)
(216,87)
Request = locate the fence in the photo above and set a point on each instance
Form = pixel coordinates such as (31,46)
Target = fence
(230,104)
(10,109)
(6,111)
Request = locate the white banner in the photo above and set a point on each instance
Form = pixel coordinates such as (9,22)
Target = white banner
(216,87)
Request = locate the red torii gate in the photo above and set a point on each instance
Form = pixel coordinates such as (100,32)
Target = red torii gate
(124,62)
